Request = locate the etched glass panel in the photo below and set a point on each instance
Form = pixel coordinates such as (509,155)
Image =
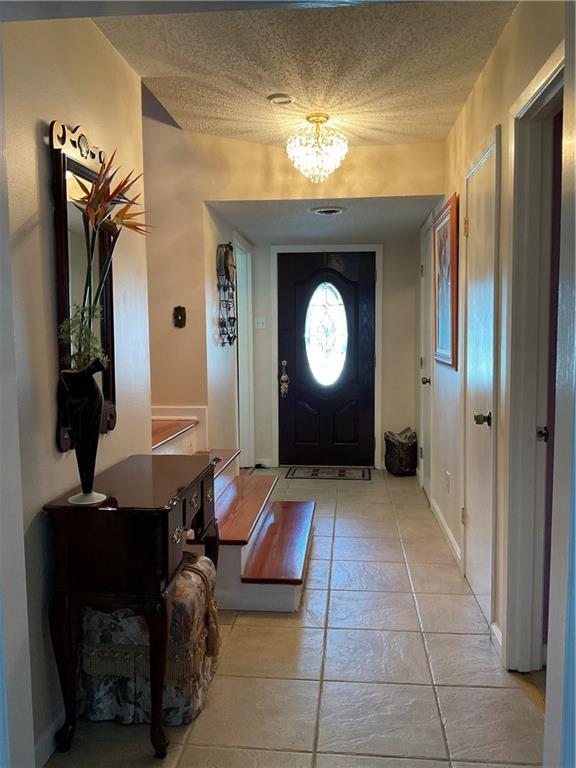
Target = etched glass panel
(326,334)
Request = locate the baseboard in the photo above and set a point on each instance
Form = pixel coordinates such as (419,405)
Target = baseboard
(452,543)
(185,412)
(45,744)
(496,634)
(265,462)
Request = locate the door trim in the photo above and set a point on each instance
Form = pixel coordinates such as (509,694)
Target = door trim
(245,368)
(379,259)
(425,350)
(494,148)
(525,562)
(17,739)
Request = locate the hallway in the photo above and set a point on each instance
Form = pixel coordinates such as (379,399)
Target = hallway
(389,657)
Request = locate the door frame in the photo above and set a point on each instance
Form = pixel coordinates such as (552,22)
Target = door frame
(379,260)
(17,740)
(523,648)
(494,148)
(245,350)
(425,352)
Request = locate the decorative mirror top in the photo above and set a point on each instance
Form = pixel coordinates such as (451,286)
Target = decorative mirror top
(75,143)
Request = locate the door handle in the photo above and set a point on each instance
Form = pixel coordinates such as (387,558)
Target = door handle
(284,380)
(426,380)
(483,418)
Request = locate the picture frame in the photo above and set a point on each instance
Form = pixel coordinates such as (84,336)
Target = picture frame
(445,240)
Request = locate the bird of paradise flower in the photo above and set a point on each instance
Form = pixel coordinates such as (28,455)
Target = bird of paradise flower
(106,210)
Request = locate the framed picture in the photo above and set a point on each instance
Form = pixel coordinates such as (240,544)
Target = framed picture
(445,238)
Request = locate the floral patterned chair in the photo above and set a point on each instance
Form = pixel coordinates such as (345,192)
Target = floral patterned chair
(113,680)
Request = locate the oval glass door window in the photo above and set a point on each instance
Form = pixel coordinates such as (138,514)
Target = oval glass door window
(326,334)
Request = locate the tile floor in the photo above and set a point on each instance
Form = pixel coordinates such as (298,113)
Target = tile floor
(388,664)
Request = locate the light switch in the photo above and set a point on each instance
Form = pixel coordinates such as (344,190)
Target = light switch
(260,323)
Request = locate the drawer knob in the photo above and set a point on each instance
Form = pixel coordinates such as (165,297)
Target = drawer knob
(210,495)
(194,499)
(177,535)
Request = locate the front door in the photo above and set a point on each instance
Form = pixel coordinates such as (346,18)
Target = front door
(326,358)
(481,265)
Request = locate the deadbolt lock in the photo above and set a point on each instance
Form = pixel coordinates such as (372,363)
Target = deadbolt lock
(426,380)
(542,434)
(483,418)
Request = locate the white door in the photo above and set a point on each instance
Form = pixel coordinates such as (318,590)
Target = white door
(426,367)
(481,270)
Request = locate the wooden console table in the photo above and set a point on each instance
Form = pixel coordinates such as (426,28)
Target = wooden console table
(125,553)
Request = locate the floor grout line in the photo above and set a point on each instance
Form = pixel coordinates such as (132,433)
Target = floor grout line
(430,671)
(323,661)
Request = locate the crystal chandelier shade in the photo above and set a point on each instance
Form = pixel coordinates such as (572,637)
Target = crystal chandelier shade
(316,150)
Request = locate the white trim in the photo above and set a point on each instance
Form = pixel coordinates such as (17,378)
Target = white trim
(523,645)
(45,742)
(268,462)
(425,350)
(496,149)
(245,347)
(379,260)
(16,674)
(187,412)
(238,241)
(452,543)
(563,508)
(496,635)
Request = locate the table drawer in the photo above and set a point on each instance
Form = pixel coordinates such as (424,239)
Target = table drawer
(176,536)
(192,506)
(208,499)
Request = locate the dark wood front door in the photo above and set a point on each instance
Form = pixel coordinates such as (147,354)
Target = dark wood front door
(326,339)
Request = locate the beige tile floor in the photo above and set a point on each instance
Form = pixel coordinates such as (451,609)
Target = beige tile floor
(388,663)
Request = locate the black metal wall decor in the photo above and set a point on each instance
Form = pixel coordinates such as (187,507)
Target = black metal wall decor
(226,270)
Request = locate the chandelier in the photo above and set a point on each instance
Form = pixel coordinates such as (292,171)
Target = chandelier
(316,150)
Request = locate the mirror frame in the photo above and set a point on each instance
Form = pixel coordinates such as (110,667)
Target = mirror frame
(71,152)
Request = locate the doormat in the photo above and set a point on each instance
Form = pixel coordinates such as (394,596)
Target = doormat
(328,473)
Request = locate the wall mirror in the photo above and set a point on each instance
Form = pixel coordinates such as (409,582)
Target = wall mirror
(73,157)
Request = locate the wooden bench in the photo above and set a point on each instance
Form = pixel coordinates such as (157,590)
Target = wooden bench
(280,551)
(264,544)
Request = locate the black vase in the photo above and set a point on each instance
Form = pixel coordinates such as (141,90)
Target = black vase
(84,406)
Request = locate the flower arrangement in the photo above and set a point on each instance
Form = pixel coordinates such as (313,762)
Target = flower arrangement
(106,210)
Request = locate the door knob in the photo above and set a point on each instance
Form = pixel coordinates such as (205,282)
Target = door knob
(483,418)
(284,380)
(426,380)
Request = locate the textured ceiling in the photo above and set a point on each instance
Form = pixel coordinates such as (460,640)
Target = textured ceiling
(387,73)
(365,220)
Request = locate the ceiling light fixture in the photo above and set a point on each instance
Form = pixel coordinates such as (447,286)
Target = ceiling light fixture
(317,150)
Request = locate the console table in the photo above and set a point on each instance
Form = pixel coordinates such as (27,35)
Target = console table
(125,553)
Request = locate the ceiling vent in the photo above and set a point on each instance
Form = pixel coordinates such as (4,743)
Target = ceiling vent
(279,99)
(327,210)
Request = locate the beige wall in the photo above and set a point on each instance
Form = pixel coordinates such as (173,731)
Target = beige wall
(530,37)
(400,298)
(183,171)
(175,260)
(65,70)
(221,362)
